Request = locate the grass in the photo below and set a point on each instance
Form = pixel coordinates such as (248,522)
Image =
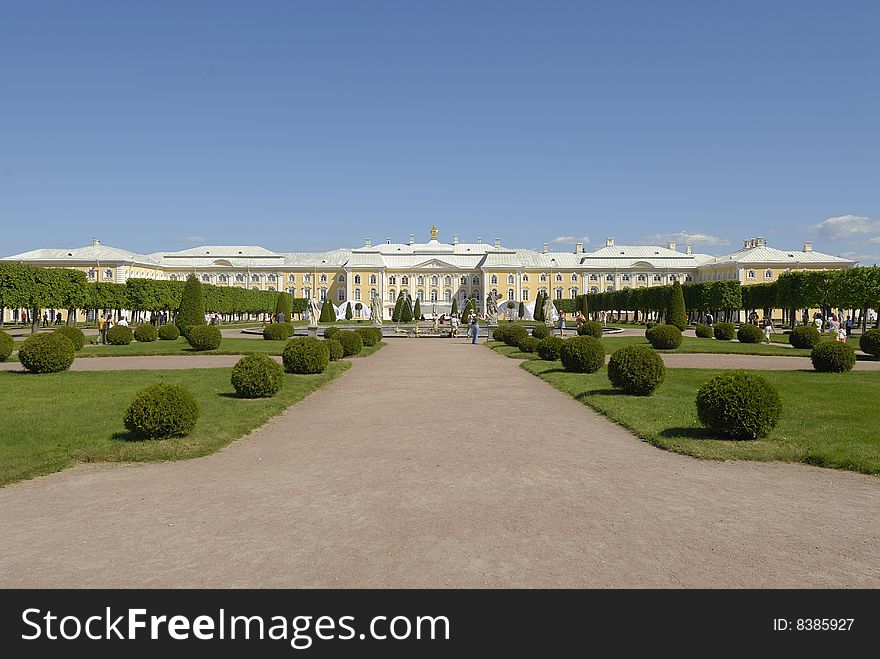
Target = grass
(823,423)
(56,420)
(689,345)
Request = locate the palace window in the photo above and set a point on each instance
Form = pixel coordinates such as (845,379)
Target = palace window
(323,294)
(768,274)
(271,288)
(543,291)
(291,279)
(392,280)
(525,278)
(224,279)
(255,279)
(307,278)
(609,277)
(404,281)
(641,277)
(511,294)
(433,296)
(475,281)
(323,278)
(420,294)
(372,279)
(673,277)
(238,278)
(464,281)
(525,295)
(434,281)
(307,293)
(609,288)
(93,274)
(510,279)
(372,293)
(593,289)
(559,293)
(625,277)
(272,278)
(574,292)
(574,276)
(174,277)
(340,294)
(688,278)
(420,281)
(495,293)
(357,280)
(462,294)
(751,274)
(594,277)
(447,281)
(493,279)
(558,276)
(392,295)
(108,274)
(341,279)
(206,278)
(291,290)
(357,294)
(447,295)
(658,278)
(543,278)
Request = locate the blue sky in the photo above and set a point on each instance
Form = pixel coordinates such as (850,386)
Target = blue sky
(312,125)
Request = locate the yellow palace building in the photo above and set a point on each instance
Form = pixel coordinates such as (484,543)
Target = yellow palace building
(437,272)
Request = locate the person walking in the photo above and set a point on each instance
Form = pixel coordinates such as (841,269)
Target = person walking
(561,325)
(474,326)
(102,329)
(709,319)
(768,328)
(841,334)
(45,319)
(848,325)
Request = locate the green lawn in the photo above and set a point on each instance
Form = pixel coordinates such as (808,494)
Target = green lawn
(181,347)
(826,417)
(688,345)
(52,421)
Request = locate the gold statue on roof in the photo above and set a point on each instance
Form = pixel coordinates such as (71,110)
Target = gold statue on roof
(434,232)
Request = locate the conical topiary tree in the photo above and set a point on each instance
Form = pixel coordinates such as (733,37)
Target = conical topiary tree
(676,314)
(522,309)
(398,306)
(348,314)
(417,310)
(328,313)
(284,304)
(406,311)
(582,305)
(468,308)
(192,306)
(538,314)
(454,307)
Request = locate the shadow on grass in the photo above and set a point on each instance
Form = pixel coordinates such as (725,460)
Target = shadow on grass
(687,433)
(598,392)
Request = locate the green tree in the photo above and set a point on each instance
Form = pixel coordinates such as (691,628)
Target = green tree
(398,307)
(417,310)
(582,305)
(192,306)
(676,314)
(284,304)
(454,307)
(522,310)
(328,313)
(348,314)
(406,311)
(538,314)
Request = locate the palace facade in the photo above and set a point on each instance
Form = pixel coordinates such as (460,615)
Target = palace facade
(436,272)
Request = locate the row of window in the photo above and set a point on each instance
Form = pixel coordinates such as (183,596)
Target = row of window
(93,274)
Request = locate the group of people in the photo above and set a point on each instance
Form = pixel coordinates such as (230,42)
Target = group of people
(834,324)
(105,322)
(46,319)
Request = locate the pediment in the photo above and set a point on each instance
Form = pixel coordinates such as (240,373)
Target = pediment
(643,265)
(434,264)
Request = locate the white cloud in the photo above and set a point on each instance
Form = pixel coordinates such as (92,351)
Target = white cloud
(845,226)
(875,241)
(195,239)
(862,258)
(569,240)
(688,237)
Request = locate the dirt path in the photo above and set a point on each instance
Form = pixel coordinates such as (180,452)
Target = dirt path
(435,463)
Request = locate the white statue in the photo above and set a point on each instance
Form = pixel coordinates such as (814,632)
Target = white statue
(549,311)
(314,312)
(376,310)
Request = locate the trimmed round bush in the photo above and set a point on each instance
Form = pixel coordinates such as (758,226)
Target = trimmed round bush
(306,355)
(257,376)
(664,337)
(649,325)
(169,332)
(636,370)
(582,354)
(724,331)
(145,333)
(75,335)
(869,342)
(498,333)
(548,349)
(278,331)
(46,353)
(368,335)
(7,345)
(590,328)
(119,335)
(336,350)
(330,331)
(739,405)
(540,331)
(805,336)
(161,411)
(514,334)
(529,344)
(204,337)
(833,357)
(749,334)
(703,332)
(352,344)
